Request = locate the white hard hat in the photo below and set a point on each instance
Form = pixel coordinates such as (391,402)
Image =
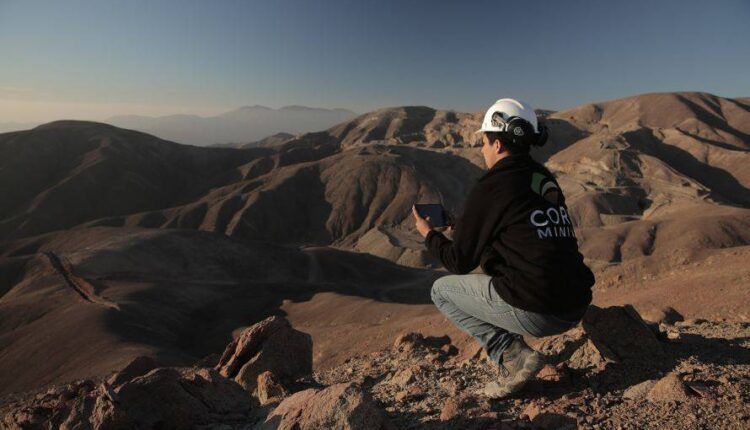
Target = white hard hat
(496,117)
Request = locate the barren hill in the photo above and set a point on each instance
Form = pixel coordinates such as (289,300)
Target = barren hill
(113,240)
(63,173)
(86,301)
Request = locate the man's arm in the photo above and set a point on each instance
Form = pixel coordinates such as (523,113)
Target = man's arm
(473,231)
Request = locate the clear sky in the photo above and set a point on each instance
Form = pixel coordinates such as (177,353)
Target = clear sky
(93,59)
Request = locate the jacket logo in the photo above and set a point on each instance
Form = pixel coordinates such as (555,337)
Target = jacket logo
(546,187)
(552,222)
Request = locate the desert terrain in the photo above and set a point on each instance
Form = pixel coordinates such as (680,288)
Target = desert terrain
(115,245)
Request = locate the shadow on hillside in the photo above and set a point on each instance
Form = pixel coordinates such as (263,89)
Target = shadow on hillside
(562,134)
(197,317)
(722,184)
(714,120)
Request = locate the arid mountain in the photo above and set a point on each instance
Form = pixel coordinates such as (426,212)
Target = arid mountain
(272,140)
(14,126)
(246,124)
(99,249)
(650,158)
(63,173)
(87,301)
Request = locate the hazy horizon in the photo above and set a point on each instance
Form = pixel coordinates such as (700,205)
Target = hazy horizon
(93,60)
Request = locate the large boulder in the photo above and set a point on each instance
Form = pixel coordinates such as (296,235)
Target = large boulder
(615,334)
(341,406)
(270,345)
(178,398)
(620,333)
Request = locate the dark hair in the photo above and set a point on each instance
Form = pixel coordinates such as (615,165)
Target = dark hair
(511,146)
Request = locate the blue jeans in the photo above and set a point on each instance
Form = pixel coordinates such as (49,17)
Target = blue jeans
(471,302)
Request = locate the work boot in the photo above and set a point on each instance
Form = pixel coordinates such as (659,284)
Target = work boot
(519,365)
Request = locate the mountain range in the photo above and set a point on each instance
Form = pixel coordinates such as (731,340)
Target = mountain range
(116,243)
(240,126)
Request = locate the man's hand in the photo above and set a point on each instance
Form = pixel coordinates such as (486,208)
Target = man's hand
(422,224)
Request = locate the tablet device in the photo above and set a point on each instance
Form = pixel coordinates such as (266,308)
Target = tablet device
(433,210)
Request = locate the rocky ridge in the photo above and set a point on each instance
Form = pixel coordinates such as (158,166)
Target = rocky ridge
(614,370)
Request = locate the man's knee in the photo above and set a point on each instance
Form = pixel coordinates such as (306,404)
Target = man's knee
(436,291)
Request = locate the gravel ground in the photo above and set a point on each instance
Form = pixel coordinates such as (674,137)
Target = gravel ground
(420,384)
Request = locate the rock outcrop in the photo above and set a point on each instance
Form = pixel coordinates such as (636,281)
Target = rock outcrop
(264,360)
(270,345)
(608,373)
(270,388)
(341,406)
(606,335)
(164,397)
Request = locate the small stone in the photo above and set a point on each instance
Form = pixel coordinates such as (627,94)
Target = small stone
(553,373)
(490,415)
(673,335)
(434,358)
(666,315)
(450,410)
(669,389)
(407,342)
(402,378)
(531,411)
(401,396)
(639,390)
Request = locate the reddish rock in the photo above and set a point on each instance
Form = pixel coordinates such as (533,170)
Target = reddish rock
(665,315)
(408,342)
(271,344)
(340,406)
(451,409)
(669,388)
(270,388)
(588,355)
(163,397)
(619,333)
(638,391)
(531,410)
(402,378)
(553,373)
(410,393)
(180,397)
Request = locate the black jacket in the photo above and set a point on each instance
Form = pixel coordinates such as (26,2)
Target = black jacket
(516,226)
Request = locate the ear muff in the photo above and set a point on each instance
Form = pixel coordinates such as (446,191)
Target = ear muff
(519,131)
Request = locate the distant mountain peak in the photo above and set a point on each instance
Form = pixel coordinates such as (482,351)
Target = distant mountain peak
(255,107)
